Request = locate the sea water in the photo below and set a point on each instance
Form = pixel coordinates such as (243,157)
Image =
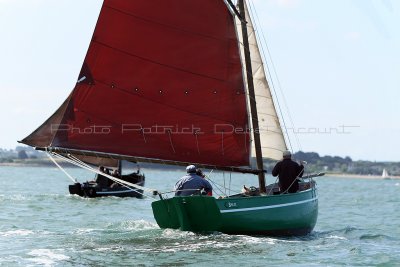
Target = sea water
(42,225)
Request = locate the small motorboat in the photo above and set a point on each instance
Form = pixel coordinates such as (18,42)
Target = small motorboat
(102,186)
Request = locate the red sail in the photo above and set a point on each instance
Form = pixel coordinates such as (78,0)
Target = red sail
(161,80)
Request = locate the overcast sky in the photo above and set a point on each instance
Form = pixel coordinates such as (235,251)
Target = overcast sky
(338,63)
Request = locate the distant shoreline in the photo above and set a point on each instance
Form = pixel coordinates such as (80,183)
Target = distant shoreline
(46,163)
(49,164)
(361,176)
(22,165)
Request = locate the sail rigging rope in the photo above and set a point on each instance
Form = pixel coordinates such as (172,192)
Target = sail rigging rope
(262,35)
(218,186)
(223,175)
(273,186)
(273,89)
(78,160)
(215,184)
(230,182)
(294,180)
(197,143)
(61,168)
(170,140)
(129,185)
(117,180)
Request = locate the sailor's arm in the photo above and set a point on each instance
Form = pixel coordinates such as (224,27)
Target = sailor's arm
(276,169)
(301,169)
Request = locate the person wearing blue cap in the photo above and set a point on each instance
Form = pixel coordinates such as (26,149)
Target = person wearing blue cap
(192,184)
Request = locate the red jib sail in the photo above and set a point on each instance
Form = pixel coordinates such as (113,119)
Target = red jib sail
(161,80)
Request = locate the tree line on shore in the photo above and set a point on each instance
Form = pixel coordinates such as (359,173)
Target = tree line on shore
(336,164)
(315,162)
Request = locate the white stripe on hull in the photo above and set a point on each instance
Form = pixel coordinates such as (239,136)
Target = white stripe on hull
(114,192)
(270,207)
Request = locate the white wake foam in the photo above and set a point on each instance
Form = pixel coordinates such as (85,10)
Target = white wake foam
(47,257)
(21,232)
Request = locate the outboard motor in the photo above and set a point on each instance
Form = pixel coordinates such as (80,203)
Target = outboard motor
(75,189)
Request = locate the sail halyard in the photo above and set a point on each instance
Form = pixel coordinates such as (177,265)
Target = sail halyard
(252,101)
(164,86)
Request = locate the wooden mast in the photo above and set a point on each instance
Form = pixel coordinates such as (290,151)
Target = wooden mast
(252,99)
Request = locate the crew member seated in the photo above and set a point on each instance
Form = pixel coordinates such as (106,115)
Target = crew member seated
(116,175)
(101,180)
(192,184)
(200,173)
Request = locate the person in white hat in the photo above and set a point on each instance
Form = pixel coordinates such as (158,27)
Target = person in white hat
(288,171)
(192,184)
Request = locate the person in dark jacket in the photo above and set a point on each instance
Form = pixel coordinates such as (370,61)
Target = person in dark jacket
(288,171)
(192,184)
(101,180)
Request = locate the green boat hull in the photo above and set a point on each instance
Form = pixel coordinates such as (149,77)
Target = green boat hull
(275,215)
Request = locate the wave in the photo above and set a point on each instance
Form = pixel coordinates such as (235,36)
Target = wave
(350,232)
(24,197)
(16,197)
(345,230)
(21,232)
(146,237)
(336,237)
(135,225)
(375,236)
(128,228)
(339,234)
(24,232)
(47,257)
(171,240)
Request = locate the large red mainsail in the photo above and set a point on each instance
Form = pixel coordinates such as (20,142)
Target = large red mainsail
(161,80)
